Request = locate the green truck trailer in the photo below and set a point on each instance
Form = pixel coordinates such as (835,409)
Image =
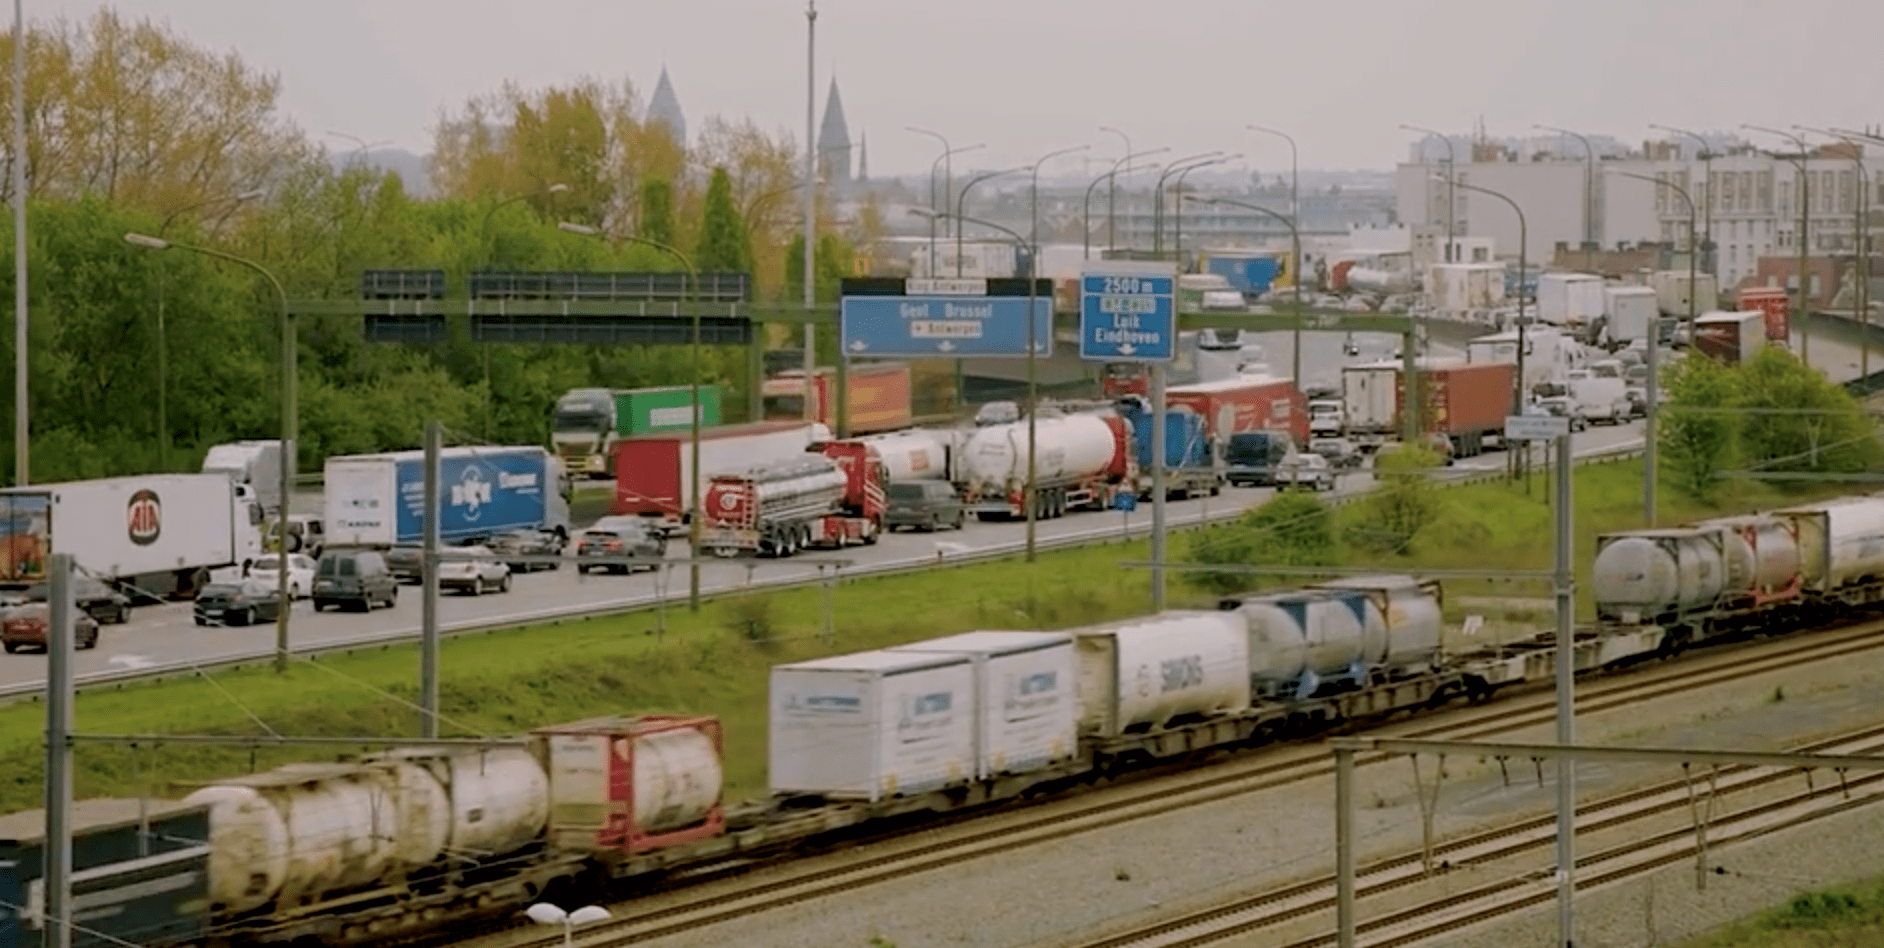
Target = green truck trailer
(588,421)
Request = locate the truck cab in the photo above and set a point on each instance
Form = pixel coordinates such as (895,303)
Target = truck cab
(581,423)
(1326,417)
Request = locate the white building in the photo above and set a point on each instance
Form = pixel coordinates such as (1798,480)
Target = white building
(1749,209)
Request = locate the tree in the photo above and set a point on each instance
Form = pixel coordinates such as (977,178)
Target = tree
(656,210)
(724,243)
(1404,504)
(1833,435)
(1697,438)
(1292,529)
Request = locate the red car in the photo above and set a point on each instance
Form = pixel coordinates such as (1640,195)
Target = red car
(25,625)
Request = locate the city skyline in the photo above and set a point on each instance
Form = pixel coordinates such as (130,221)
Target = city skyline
(1051,72)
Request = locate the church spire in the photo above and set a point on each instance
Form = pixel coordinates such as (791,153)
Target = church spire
(834,145)
(665,108)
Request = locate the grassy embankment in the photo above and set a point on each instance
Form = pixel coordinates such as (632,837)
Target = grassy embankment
(716,662)
(1844,916)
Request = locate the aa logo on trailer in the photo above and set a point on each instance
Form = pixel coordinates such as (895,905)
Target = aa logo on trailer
(144,517)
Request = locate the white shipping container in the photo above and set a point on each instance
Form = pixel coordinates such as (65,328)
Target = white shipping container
(1672,295)
(1840,542)
(1462,287)
(1025,709)
(1369,396)
(872,725)
(130,526)
(1569,299)
(1144,673)
(1630,311)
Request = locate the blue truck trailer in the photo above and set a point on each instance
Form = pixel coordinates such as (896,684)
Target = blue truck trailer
(1190,453)
(376,500)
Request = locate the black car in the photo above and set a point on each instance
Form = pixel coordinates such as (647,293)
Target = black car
(360,579)
(407,562)
(638,540)
(528,543)
(103,603)
(245,603)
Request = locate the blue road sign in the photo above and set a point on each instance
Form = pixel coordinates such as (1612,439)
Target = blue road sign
(1127,314)
(944,326)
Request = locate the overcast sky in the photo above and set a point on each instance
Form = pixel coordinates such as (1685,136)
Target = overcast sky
(1032,76)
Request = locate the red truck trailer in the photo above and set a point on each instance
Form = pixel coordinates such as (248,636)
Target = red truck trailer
(1730,338)
(880,397)
(1466,403)
(1245,404)
(653,472)
(1774,305)
(833,497)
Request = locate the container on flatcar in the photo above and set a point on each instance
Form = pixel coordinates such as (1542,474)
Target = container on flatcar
(1841,543)
(1304,639)
(1646,576)
(1412,609)
(872,725)
(1026,714)
(625,784)
(140,874)
(1143,674)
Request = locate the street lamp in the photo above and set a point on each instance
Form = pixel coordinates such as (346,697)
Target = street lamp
(1805,228)
(1157,197)
(1706,155)
(1112,192)
(544,913)
(1589,184)
(937,199)
(288,424)
(1524,239)
(1655,343)
(1033,197)
(1295,236)
(484,229)
(1861,302)
(1451,173)
(694,517)
(962,199)
(1177,208)
(1295,194)
(163,347)
(1029,498)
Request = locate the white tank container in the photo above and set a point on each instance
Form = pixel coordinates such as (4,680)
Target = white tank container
(913,455)
(248,846)
(340,830)
(1841,542)
(1413,613)
(677,779)
(1761,553)
(499,800)
(872,725)
(1303,639)
(421,806)
(1070,447)
(1026,715)
(1143,674)
(1641,575)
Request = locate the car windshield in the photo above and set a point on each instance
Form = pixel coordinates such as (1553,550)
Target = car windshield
(220,591)
(905,491)
(267,562)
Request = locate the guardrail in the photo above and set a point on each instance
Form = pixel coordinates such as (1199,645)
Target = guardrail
(118,677)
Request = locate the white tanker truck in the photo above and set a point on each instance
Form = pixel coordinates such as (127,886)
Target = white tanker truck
(1085,460)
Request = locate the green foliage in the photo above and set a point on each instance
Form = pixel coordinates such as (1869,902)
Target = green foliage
(657,210)
(834,262)
(1293,529)
(1405,504)
(1697,445)
(725,245)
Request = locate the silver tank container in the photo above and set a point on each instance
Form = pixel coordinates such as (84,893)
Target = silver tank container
(1302,640)
(1412,609)
(1645,575)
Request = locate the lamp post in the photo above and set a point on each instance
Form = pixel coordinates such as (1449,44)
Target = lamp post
(1805,228)
(1295,197)
(1112,193)
(1524,236)
(1157,196)
(1033,198)
(1589,184)
(694,515)
(938,199)
(20,473)
(1177,207)
(962,199)
(1029,498)
(1707,194)
(288,423)
(1651,395)
(163,347)
(365,151)
(1295,236)
(1861,300)
(1112,189)
(810,294)
(1451,174)
(544,913)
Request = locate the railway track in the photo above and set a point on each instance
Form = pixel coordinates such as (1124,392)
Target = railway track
(1650,848)
(1010,829)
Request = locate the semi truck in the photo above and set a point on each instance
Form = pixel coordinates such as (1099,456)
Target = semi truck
(1465,402)
(1084,462)
(834,496)
(1193,458)
(1628,312)
(654,472)
(154,536)
(1245,403)
(879,398)
(377,500)
(1730,338)
(254,464)
(588,422)
(1775,304)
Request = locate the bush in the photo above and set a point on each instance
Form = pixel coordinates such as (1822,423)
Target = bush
(1405,503)
(1293,529)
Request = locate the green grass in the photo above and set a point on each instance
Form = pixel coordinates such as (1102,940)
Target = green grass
(1849,915)
(716,662)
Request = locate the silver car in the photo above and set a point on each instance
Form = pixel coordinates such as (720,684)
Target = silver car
(1305,469)
(474,576)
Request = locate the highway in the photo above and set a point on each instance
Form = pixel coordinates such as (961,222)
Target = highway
(167,636)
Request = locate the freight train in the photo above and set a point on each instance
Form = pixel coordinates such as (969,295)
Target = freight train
(408,842)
